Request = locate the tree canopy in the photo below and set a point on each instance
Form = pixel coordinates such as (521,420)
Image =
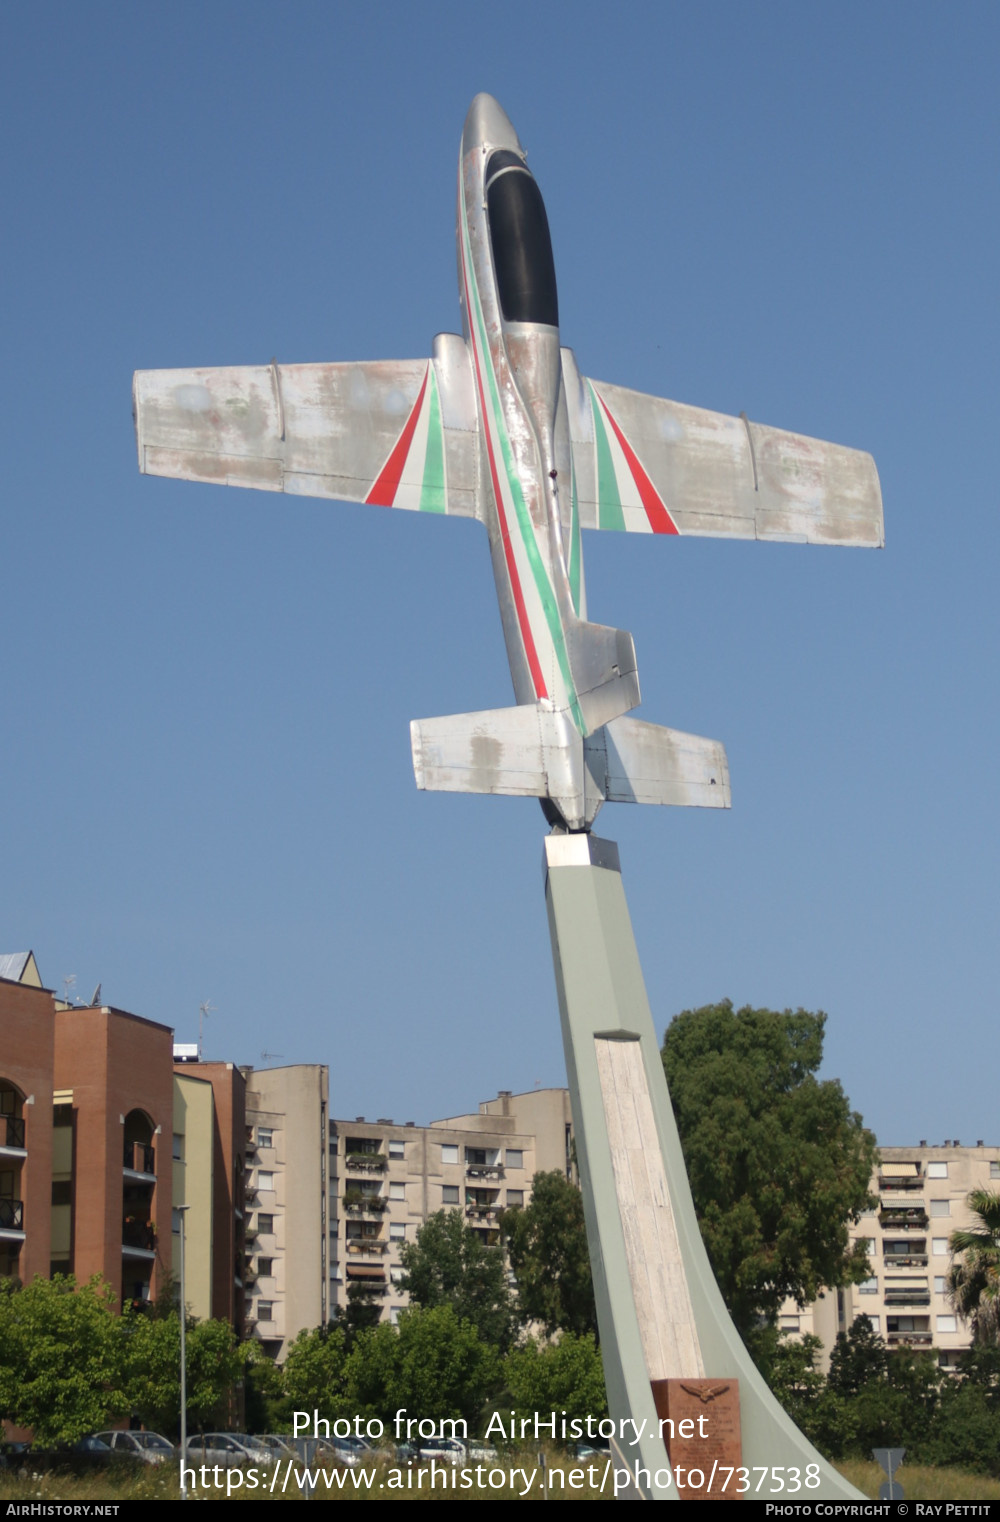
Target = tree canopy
(61,1365)
(546,1243)
(778,1162)
(974,1283)
(449,1265)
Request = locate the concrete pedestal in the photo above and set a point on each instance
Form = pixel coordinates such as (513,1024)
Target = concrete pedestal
(658,1306)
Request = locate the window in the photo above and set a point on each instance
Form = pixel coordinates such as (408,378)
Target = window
(788,1323)
(940,1207)
(265,1223)
(265,1310)
(265,1267)
(397,1191)
(449,1194)
(476,1156)
(995,1169)
(515,1157)
(265,1180)
(937,1170)
(939,1247)
(940,1285)
(871,1320)
(449,1154)
(397,1149)
(265,1136)
(175,1222)
(869,1287)
(870,1246)
(178,1147)
(335,1272)
(397,1230)
(395,1275)
(515,1196)
(394,1311)
(946,1323)
(62,1192)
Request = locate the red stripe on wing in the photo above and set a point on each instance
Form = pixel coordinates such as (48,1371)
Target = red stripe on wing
(383,493)
(660,520)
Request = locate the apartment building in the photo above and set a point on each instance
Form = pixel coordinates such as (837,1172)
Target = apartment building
(112,1180)
(209,1164)
(385,1179)
(27,1037)
(287,1117)
(922,1193)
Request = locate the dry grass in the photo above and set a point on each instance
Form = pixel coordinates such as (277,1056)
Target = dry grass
(921,1483)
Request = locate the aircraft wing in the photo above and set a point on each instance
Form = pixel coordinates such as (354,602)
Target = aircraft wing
(648,465)
(397,433)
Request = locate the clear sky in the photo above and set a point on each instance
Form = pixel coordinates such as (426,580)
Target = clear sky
(207,791)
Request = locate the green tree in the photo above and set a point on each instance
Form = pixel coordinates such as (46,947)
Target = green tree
(566,1376)
(779,1164)
(315,1375)
(60,1358)
(449,1265)
(974,1283)
(152,1370)
(432,1365)
(546,1244)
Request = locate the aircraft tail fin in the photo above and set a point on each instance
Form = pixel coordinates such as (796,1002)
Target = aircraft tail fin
(603,664)
(629,761)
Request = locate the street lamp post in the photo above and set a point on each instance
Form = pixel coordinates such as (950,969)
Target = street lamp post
(182,1211)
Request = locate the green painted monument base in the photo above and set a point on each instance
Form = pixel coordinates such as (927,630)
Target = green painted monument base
(659,1309)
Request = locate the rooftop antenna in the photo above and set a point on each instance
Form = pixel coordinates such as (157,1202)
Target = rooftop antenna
(204,1010)
(68,987)
(271,1056)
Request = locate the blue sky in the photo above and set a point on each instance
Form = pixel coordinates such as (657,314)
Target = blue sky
(207,791)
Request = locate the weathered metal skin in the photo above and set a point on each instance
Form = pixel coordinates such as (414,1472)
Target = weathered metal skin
(500,424)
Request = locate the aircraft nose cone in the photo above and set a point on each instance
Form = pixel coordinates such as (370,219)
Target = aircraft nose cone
(488,122)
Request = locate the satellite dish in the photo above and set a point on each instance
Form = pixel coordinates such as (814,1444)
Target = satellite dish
(96,999)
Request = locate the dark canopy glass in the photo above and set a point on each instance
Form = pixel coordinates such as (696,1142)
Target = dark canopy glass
(522,248)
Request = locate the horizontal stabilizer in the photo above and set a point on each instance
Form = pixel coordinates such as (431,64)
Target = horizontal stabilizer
(521,752)
(630,761)
(532,752)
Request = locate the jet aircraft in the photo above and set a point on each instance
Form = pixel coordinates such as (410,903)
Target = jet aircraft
(499,424)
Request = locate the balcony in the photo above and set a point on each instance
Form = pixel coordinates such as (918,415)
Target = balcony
(367,1247)
(12,1216)
(372,1203)
(909,1339)
(904,1217)
(140,1161)
(905,1260)
(12,1134)
(484,1170)
(907,1297)
(482,1212)
(889,1179)
(139,1238)
(366,1162)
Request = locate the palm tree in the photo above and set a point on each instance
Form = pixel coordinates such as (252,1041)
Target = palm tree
(974,1284)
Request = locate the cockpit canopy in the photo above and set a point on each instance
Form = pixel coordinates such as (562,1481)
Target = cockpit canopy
(522,248)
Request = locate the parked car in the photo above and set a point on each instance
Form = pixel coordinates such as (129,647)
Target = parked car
(230,1450)
(148,1447)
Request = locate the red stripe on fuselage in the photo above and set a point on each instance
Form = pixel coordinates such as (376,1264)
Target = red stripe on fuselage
(384,491)
(508,550)
(660,520)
